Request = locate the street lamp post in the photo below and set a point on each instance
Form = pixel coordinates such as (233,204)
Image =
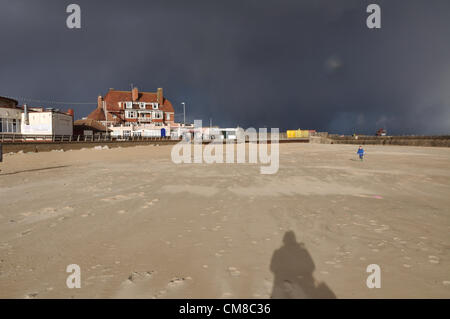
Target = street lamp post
(184,113)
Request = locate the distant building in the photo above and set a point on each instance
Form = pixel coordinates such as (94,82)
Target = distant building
(134,107)
(134,113)
(46,121)
(10,116)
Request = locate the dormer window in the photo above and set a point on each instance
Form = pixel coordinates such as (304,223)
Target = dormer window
(155,106)
(142,106)
(129,105)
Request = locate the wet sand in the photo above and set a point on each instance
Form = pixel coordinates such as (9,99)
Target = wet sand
(140,226)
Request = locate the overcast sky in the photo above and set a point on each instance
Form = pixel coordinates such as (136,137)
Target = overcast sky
(279,63)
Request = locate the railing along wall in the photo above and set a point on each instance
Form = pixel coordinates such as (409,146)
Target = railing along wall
(17,138)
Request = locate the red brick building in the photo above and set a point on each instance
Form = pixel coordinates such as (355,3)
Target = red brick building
(134,108)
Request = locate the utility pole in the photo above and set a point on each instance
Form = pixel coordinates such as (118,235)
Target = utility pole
(106,117)
(184,113)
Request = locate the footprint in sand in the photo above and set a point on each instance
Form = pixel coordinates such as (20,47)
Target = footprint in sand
(136,276)
(26,232)
(5,246)
(27,214)
(151,203)
(433,259)
(234,272)
(114,198)
(173,284)
(148,204)
(136,286)
(176,282)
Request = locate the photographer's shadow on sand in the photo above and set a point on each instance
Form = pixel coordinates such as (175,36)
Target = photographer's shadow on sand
(293,268)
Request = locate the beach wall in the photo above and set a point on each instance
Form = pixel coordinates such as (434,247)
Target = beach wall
(56,146)
(27,147)
(436,141)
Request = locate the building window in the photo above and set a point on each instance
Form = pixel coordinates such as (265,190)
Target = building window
(9,126)
(129,105)
(130,114)
(155,106)
(168,116)
(158,115)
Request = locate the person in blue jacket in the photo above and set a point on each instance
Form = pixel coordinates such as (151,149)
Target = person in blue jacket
(360,152)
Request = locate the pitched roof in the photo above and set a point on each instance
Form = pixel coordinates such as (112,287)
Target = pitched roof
(97,115)
(7,102)
(113,97)
(89,123)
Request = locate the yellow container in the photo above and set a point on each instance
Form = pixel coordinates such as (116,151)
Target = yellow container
(297,133)
(291,134)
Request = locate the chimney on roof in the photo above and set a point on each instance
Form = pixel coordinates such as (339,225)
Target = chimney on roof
(99,102)
(159,96)
(25,114)
(135,94)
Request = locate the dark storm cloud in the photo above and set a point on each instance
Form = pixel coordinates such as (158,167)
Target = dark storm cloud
(287,64)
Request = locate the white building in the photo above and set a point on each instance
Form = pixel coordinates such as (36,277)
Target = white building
(10,116)
(40,121)
(144,130)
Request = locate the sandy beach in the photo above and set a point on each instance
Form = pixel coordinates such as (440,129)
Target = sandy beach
(140,226)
